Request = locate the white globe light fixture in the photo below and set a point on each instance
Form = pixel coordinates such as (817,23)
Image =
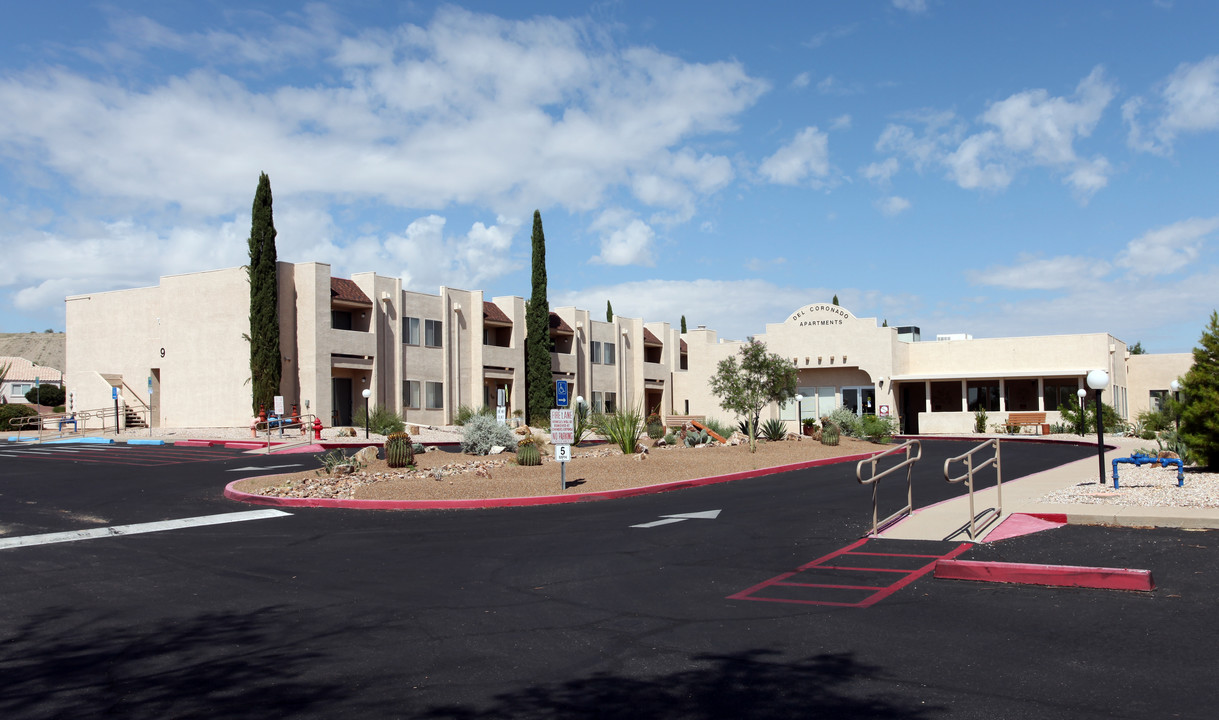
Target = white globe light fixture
(1098,380)
(1082,394)
(799,414)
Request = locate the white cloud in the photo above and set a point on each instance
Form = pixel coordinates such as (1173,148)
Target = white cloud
(428,258)
(1168,249)
(893,205)
(842,122)
(881,172)
(806,155)
(1032,273)
(911,6)
(467,109)
(835,33)
(1027,129)
(1190,104)
(625,240)
(801,81)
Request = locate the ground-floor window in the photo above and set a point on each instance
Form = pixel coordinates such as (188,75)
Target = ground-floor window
(818,402)
(1158,397)
(860,400)
(1060,393)
(605,402)
(983,395)
(410,394)
(435,395)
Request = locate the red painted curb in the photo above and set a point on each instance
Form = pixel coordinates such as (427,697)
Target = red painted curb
(233,494)
(194,443)
(1051,517)
(1057,575)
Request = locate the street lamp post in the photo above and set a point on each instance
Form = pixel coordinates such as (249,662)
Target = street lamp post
(1176,406)
(1098,380)
(799,414)
(366,393)
(1082,394)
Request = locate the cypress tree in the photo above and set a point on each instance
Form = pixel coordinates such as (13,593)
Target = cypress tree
(1200,386)
(683,323)
(539,383)
(265,361)
(609,312)
(835,300)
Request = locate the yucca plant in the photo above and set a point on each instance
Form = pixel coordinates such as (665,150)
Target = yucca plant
(623,428)
(774,429)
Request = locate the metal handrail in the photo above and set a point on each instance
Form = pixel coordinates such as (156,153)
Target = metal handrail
(79,418)
(990,514)
(303,422)
(874,478)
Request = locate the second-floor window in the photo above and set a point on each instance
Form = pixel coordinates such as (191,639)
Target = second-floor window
(340,319)
(602,352)
(433,333)
(410,331)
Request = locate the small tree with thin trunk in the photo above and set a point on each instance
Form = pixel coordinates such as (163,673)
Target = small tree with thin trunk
(747,386)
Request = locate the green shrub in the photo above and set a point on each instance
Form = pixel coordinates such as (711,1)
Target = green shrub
(481,433)
(8,413)
(670,439)
(656,431)
(584,422)
(333,459)
(980,421)
(623,429)
(847,421)
(465,412)
(878,429)
(774,429)
(47,395)
(59,409)
(722,429)
(382,421)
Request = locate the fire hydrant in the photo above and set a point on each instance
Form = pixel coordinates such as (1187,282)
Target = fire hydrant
(317,428)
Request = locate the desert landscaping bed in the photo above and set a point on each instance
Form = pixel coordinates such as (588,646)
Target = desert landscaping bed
(451,476)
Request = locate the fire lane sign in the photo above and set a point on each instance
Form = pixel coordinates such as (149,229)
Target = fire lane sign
(562,427)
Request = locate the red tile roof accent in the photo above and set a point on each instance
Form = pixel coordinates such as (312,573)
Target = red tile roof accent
(492,313)
(558,326)
(650,339)
(347,291)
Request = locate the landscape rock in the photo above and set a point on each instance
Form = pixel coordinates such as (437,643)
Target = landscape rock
(496,450)
(366,455)
(642,456)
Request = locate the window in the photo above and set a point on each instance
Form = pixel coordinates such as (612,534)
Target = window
(1157,399)
(1060,393)
(410,394)
(435,396)
(685,362)
(20,388)
(340,319)
(433,333)
(983,395)
(609,354)
(596,352)
(410,331)
(604,402)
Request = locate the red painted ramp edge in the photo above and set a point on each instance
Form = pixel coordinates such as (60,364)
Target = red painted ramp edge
(1058,575)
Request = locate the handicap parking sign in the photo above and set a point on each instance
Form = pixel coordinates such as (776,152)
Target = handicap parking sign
(560,393)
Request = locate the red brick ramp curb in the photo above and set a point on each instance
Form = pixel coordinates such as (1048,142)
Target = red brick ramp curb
(232,493)
(1099,578)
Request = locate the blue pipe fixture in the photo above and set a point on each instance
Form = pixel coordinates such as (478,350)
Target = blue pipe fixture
(1139,460)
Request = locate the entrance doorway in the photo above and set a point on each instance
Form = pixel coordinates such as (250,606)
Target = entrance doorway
(340,399)
(913,400)
(861,400)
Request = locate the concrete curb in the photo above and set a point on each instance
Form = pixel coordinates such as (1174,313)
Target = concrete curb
(1099,578)
(232,493)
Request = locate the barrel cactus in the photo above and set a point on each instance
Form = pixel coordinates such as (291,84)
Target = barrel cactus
(399,450)
(829,434)
(528,454)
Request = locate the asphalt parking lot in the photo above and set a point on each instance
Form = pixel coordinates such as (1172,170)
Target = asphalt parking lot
(568,611)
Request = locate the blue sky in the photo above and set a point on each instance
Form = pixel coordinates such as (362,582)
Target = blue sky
(1026,168)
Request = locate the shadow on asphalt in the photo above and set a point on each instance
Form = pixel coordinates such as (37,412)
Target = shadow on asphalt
(746,684)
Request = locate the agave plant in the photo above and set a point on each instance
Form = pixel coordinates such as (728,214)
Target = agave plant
(774,429)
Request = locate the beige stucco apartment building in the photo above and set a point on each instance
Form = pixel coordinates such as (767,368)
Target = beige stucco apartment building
(179,352)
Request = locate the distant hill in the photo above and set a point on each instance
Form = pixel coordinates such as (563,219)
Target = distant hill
(47,349)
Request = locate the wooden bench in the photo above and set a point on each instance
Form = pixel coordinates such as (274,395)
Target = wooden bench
(1028,418)
(678,421)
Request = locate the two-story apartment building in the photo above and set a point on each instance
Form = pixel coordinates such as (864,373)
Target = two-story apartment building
(179,350)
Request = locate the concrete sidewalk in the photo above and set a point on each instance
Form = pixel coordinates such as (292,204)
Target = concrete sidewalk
(938,522)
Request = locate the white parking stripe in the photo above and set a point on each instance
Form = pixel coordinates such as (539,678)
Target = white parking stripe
(117,530)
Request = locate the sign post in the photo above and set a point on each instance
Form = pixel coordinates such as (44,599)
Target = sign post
(562,435)
(114,393)
(560,393)
(279,413)
(501,411)
(149,406)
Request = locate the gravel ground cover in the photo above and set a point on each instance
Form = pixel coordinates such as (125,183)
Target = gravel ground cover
(448,476)
(1146,486)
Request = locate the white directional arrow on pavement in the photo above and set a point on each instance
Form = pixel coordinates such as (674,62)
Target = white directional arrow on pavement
(265,467)
(705,515)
